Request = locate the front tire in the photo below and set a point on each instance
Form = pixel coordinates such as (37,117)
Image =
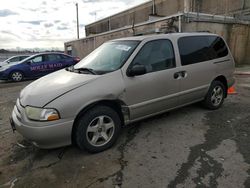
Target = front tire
(215,96)
(97,129)
(16,76)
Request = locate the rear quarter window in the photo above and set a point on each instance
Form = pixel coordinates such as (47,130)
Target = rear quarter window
(196,49)
(15,59)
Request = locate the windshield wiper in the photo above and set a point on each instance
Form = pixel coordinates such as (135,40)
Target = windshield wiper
(85,69)
(80,70)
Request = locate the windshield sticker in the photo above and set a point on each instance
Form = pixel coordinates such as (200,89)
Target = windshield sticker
(123,47)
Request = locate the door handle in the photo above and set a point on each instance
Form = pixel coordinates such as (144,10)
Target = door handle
(177,75)
(182,74)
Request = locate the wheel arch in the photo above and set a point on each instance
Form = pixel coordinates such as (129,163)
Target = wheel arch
(114,104)
(223,80)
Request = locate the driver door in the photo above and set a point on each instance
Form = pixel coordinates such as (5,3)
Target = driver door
(156,91)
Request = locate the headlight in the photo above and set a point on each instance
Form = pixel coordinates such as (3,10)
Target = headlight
(41,114)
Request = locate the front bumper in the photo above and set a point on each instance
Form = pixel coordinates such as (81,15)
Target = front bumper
(4,76)
(42,134)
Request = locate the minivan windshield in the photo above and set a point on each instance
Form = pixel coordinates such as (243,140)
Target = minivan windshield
(108,57)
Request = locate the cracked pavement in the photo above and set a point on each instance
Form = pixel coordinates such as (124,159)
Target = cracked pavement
(187,147)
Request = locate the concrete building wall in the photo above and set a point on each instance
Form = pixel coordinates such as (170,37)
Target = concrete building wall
(135,15)
(165,8)
(128,17)
(220,7)
(240,43)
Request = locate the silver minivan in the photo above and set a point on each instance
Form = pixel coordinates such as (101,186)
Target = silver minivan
(121,82)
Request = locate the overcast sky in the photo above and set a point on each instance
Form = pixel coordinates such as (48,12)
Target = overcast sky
(49,23)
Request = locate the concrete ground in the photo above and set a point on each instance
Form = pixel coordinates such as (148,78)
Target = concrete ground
(188,147)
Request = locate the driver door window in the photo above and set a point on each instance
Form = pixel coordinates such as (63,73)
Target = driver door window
(37,59)
(156,56)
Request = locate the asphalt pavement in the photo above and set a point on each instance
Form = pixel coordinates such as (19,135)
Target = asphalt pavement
(187,147)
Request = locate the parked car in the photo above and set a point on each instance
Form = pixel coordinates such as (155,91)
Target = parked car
(36,66)
(121,82)
(13,59)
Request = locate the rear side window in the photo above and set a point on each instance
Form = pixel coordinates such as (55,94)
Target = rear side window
(196,49)
(37,59)
(52,57)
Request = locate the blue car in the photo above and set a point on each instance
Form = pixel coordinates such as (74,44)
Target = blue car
(36,66)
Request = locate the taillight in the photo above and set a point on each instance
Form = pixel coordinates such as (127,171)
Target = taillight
(77,59)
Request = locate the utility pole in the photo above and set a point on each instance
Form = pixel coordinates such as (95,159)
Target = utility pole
(154,12)
(77,21)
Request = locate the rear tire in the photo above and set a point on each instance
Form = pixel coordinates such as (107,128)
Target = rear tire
(97,129)
(215,95)
(16,76)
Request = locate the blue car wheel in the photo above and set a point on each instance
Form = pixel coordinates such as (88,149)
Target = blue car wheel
(16,76)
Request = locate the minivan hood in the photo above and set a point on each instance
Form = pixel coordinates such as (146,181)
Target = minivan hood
(47,88)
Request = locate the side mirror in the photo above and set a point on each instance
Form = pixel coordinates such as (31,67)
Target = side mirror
(137,70)
(28,62)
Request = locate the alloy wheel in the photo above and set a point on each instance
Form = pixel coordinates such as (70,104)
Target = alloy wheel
(100,130)
(17,76)
(217,95)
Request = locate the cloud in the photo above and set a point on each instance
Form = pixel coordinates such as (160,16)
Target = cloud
(48,25)
(7,12)
(62,28)
(9,33)
(57,21)
(29,9)
(81,25)
(94,13)
(36,22)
